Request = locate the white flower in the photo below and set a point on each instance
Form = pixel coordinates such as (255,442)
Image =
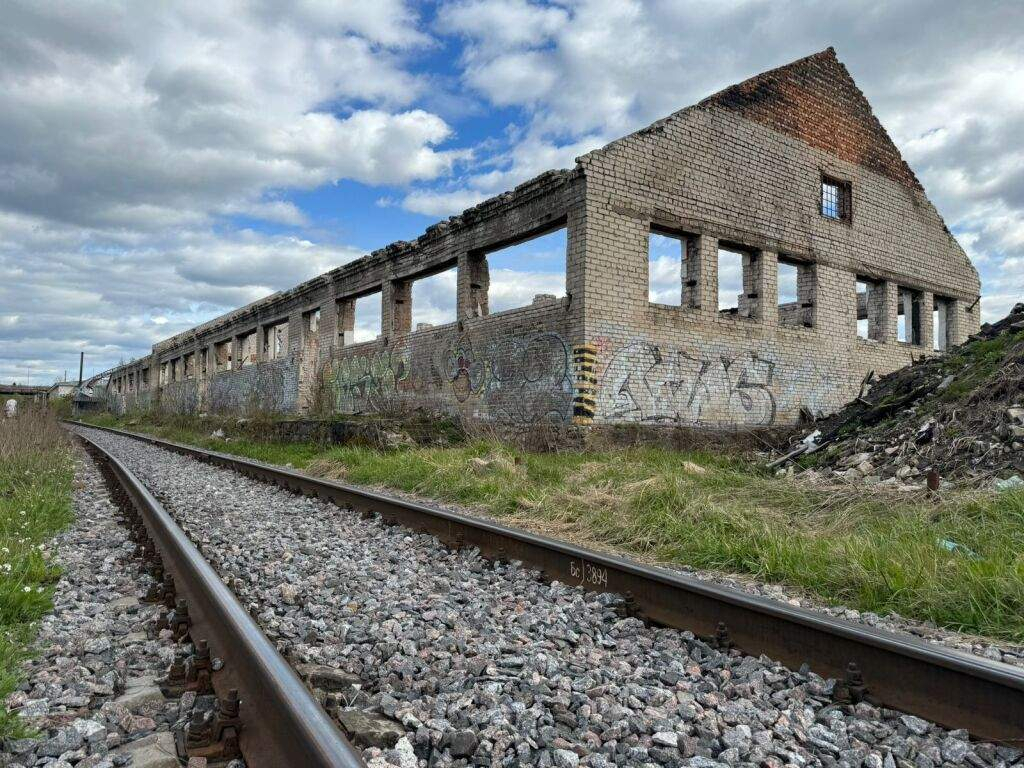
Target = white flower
(26,589)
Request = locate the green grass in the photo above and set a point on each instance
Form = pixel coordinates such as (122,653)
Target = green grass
(36,476)
(974,363)
(852,547)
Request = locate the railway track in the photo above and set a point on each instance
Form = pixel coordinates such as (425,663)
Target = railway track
(952,689)
(264,709)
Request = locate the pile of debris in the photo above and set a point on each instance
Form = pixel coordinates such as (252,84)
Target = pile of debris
(957,418)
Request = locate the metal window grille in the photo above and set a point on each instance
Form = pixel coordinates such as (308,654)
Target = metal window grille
(830,203)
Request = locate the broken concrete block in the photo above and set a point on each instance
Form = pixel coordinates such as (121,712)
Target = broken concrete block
(122,605)
(141,694)
(854,460)
(367,729)
(153,751)
(328,679)
(1009,484)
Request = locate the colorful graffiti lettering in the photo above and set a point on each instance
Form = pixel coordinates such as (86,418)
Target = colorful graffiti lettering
(519,379)
(367,383)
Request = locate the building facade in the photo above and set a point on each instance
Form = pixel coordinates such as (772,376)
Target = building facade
(786,181)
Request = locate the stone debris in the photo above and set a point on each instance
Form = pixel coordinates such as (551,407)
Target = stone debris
(477,663)
(958,418)
(91,692)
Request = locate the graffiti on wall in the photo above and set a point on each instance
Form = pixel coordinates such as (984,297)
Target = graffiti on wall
(180,397)
(270,387)
(522,379)
(367,383)
(122,404)
(644,382)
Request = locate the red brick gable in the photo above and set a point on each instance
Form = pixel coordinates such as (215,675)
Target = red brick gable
(815,100)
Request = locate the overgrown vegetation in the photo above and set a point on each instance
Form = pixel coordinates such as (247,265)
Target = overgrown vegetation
(36,475)
(852,547)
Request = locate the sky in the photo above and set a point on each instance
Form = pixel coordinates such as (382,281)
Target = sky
(164,162)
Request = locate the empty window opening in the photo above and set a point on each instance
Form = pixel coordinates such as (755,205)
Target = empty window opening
(247,349)
(222,356)
(164,373)
(796,293)
(835,199)
(666,255)
(730,281)
(433,299)
(518,275)
(359,319)
(908,324)
(176,369)
(863,314)
(145,377)
(367,319)
(942,323)
(275,340)
(189,365)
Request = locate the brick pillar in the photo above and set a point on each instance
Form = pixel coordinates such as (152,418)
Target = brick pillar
(885,297)
(807,294)
(396,308)
(751,299)
(927,304)
(957,322)
(768,287)
(472,286)
(704,284)
(345,322)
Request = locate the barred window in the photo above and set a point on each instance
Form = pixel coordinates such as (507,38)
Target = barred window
(835,199)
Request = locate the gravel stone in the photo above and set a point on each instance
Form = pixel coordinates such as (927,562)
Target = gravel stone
(478,663)
(96,639)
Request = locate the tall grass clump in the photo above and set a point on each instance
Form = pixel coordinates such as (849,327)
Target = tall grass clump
(36,477)
(957,561)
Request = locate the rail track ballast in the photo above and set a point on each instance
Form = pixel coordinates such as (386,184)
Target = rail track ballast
(953,689)
(273,716)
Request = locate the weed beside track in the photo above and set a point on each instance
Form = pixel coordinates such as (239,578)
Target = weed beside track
(36,479)
(887,553)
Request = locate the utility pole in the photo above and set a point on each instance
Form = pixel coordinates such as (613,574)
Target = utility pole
(78,392)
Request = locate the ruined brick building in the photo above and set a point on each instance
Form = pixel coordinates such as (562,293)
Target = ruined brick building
(789,175)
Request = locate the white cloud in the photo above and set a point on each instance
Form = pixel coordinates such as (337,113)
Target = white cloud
(517,288)
(131,138)
(114,302)
(206,107)
(503,24)
(501,171)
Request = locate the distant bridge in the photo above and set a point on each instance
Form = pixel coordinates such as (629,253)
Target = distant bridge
(22,389)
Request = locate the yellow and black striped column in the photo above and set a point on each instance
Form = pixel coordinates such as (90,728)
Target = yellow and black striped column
(584,360)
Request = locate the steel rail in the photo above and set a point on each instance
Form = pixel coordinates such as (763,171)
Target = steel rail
(282,723)
(953,689)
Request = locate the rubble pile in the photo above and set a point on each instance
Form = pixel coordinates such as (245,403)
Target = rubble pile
(957,418)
